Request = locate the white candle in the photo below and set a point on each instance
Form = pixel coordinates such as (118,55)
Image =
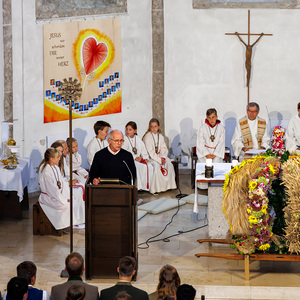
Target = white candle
(234,162)
(209,162)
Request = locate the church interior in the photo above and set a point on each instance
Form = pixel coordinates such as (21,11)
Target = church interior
(178,58)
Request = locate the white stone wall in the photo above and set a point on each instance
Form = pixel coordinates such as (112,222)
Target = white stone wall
(29,129)
(205,68)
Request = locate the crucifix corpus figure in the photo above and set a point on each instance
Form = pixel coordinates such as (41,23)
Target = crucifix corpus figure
(248,55)
(249,47)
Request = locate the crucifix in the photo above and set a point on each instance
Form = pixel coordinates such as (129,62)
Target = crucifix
(249,48)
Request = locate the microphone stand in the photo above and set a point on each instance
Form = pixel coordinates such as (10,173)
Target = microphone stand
(129,172)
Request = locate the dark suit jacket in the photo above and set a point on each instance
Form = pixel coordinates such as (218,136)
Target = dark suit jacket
(135,293)
(59,292)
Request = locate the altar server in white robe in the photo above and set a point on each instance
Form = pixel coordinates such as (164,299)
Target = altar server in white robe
(134,145)
(55,193)
(98,142)
(250,133)
(163,175)
(76,160)
(293,134)
(76,179)
(66,170)
(211,140)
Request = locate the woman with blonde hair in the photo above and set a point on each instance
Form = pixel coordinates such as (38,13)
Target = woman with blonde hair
(163,170)
(55,193)
(169,281)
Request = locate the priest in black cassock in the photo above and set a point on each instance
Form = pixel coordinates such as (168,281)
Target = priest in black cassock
(113,161)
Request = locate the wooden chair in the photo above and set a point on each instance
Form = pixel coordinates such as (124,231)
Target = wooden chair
(41,223)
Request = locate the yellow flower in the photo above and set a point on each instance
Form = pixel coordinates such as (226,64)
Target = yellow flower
(252,220)
(248,210)
(272,169)
(264,247)
(264,209)
(226,182)
(242,163)
(252,185)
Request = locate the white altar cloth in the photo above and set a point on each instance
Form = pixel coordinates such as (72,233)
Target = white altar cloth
(217,224)
(16,179)
(220,169)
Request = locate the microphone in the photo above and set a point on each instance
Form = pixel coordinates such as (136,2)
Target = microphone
(129,172)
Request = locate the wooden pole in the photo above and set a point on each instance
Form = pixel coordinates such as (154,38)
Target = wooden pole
(247,267)
(71,176)
(248,87)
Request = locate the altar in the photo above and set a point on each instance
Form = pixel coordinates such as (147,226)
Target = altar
(13,189)
(217,223)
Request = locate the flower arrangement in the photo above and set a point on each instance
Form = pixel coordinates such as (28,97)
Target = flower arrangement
(278,146)
(246,190)
(257,204)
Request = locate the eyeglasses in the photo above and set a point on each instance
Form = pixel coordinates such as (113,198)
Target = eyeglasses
(252,111)
(118,141)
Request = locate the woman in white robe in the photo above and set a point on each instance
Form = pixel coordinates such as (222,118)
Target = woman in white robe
(55,193)
(81,173)
(163,175)
(211,141)
(134,145)
(78,181)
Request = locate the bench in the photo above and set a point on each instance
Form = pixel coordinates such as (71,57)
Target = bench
(41,223)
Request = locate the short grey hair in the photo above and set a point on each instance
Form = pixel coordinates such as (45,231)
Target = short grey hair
(111,133)
(253,104)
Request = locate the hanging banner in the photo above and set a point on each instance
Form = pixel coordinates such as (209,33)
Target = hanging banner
(90,52)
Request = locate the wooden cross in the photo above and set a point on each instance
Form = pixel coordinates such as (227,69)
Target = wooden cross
(249,50)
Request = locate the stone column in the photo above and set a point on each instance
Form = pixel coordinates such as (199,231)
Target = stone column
(158,110)
(8,71)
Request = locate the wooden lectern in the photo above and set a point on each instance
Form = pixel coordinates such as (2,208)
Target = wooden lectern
(110,228)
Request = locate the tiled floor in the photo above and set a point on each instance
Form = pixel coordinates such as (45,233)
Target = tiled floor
(215,278)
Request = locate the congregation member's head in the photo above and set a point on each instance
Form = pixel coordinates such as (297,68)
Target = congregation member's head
(169,281)
(65,147)
(27,270)
(76,292)
(123,296)
(17,288)
(252,110)
(185,292)
(74,144)
(131,129)
(101,129)
(115,140)
(126,269)
(298,107)
(74,264)
(212,116)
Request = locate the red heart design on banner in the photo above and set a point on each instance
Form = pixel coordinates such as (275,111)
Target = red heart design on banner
(93,54)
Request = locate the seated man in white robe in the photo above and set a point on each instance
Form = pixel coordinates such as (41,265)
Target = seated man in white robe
(98,142)
(211,141)
(293,133)
(250,133)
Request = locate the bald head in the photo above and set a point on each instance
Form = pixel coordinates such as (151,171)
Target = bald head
(115,140)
